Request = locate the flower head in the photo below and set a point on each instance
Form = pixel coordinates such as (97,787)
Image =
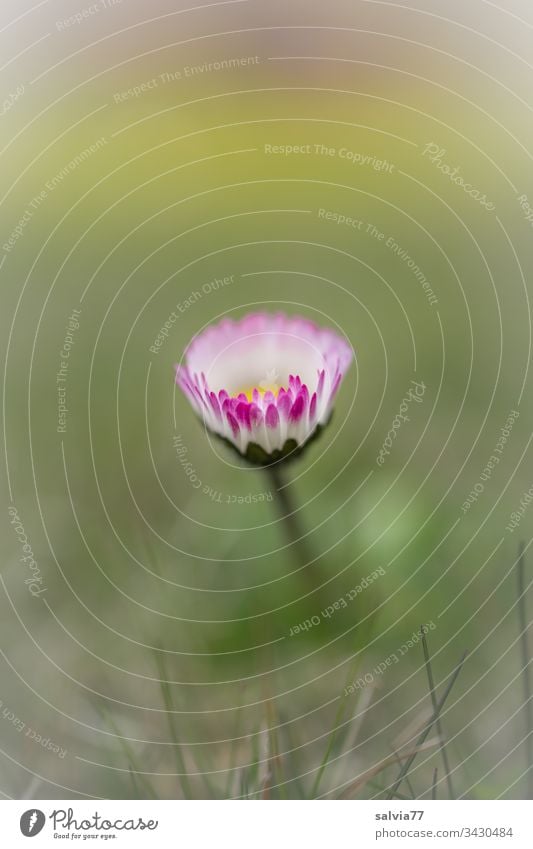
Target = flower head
(265,383)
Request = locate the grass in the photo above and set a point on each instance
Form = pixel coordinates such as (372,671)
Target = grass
(431,683)
(266,761)
(267,771)
(427,728)
(526,670)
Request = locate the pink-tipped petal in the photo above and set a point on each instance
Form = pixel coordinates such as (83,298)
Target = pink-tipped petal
(284,406)
(233,423)
(272,417)
(198,395)
(297,409)
(242,411)
(256,415)
(312,407)
(215,405)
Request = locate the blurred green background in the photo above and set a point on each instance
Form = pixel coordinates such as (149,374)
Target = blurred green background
(147,576)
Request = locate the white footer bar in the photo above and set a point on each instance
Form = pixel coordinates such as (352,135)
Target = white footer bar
(267,824)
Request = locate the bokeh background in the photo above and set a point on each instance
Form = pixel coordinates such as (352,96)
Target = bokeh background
(138,167)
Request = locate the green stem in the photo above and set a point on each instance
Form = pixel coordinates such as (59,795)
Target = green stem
(293,531)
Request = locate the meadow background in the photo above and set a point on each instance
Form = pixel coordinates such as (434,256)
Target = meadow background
(158,658)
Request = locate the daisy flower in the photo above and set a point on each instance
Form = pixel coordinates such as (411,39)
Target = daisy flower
(265,383)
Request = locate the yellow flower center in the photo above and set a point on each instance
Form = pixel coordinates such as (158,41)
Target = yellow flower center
(262,389)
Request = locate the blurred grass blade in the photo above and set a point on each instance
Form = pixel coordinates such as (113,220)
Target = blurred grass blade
(407,779)
(434,784)
(349,740)
(526,672)
(275,758)
(231,774)
(409,762)
(369,774)
(341,710)
(431,684)
(171,721)
(134,768)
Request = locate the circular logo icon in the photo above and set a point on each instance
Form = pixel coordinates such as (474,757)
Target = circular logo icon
(32,822)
